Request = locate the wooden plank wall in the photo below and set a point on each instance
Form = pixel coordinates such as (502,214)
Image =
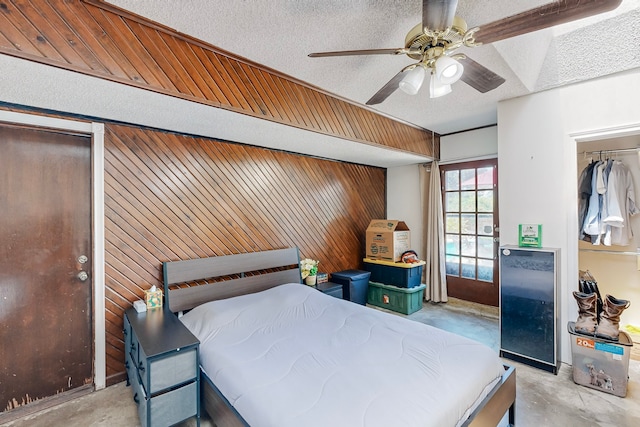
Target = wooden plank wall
(173,197)
(98,39)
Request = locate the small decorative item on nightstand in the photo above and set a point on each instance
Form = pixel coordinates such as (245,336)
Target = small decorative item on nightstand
(153,297)
(308,271)
(140,306)
(322,278)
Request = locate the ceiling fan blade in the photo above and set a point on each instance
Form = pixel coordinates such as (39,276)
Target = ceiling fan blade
(386,90)
(397,51)
(479,77)
(544,16)
(437,15)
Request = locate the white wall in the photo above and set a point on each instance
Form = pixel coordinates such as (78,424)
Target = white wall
(404,201)
(537,168)
(472,145)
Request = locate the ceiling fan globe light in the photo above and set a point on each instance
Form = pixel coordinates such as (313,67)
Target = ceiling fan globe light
(448,70)
(437,89)
(412,82)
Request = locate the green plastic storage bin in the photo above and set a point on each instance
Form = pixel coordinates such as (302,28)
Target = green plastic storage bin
(401,300)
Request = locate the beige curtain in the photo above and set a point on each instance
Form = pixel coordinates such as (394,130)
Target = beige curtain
(433,225)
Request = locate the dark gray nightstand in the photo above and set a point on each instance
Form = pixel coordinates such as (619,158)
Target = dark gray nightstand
(330,288)
(162,363)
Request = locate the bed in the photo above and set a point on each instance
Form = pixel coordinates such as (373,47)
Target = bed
(275,352)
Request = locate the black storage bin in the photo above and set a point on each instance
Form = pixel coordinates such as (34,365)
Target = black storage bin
(355,284)
(397,274)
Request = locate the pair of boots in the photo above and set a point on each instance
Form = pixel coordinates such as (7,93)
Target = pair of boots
(604,323)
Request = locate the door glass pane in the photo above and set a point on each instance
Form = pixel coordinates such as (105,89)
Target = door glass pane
(468,179)
(468,268)
(452,265)
(468,223)
(485,247)
(453,244)
(485,177)
(452,202)
(468,201)
(485,224)
(485,270)
(468,245)
(485,201)
(451,180)
(453,223)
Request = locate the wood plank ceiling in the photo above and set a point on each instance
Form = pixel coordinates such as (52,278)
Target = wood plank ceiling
(98,39)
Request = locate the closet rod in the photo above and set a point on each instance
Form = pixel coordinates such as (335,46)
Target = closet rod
(611,252)
(619,150)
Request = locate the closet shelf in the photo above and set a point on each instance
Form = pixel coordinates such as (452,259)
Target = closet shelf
(611,252)
(612,151)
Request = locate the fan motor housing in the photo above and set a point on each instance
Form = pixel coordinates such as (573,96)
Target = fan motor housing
(419,39)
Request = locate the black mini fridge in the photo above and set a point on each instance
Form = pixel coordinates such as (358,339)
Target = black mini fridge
(529,327)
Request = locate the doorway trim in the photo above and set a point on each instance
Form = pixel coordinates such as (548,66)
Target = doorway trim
(96,131)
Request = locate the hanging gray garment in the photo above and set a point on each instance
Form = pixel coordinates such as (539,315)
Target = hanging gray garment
(584,193)
(592,219)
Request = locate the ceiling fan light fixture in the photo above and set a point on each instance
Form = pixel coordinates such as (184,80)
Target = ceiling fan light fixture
(448,70)
(412,82)
(436,88)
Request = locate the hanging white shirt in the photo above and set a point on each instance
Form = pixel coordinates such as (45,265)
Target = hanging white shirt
(620,204)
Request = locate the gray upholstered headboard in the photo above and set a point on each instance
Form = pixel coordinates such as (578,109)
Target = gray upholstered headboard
(251,272)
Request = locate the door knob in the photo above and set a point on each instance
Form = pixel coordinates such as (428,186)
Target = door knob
(83,276)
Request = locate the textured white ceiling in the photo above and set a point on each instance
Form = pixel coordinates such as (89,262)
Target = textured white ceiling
(280,34)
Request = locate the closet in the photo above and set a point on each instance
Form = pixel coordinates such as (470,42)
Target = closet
(613,259)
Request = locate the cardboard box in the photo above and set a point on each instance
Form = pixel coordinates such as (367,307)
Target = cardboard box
(387,239)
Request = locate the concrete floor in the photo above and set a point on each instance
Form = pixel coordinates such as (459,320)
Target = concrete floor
(543,399)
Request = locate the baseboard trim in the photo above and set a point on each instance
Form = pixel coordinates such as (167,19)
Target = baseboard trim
(45,403)
(117,378)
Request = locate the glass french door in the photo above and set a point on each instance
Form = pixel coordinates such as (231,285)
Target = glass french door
(470,201)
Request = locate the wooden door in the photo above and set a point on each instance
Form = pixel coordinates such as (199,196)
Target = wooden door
(470,200)
(46,344)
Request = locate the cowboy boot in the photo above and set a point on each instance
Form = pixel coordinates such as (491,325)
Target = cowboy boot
(589,287)
(587,320)
(594,288)
(609,326)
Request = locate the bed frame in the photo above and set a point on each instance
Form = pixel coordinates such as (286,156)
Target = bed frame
(258,271)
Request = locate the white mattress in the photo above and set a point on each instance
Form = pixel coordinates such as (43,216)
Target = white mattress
(292,356)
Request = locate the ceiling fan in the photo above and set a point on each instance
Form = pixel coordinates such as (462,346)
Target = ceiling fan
(433,43)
